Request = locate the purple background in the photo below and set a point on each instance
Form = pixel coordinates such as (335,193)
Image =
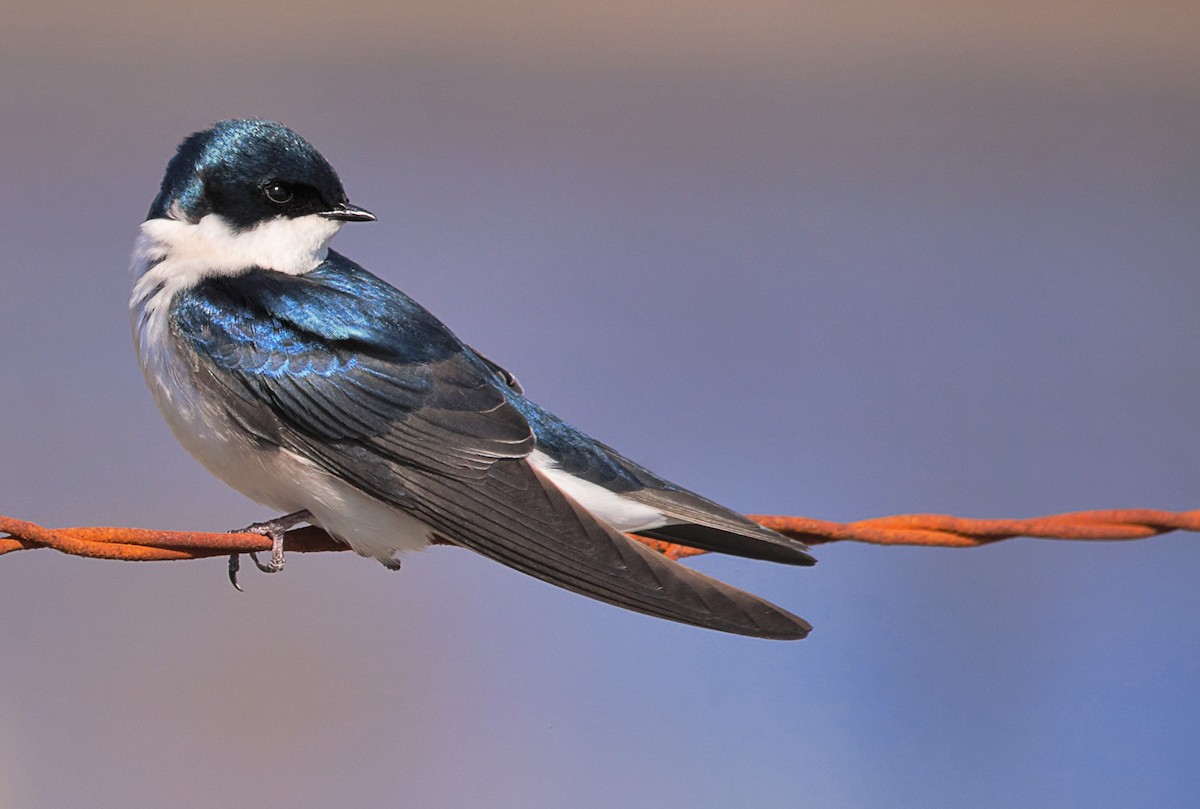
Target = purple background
(832,261)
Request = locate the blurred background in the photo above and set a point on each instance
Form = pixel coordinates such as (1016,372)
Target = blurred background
(836,260)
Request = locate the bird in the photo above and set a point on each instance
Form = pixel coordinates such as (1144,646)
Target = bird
(317,389)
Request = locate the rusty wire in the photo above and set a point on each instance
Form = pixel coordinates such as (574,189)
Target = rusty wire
(935,530)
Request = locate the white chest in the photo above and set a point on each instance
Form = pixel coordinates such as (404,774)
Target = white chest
(199,420)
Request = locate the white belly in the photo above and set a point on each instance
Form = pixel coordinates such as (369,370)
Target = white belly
(277,478)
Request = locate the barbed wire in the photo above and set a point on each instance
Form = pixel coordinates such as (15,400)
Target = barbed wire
(931,530)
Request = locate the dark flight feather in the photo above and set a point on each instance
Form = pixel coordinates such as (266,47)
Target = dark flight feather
(349,372)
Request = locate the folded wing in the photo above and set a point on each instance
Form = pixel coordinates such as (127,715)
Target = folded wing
(349,372)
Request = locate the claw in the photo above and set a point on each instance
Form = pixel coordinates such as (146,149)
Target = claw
(235,564)
(268,567)
(275,529)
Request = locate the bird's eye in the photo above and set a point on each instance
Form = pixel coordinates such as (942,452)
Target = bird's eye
(278,193)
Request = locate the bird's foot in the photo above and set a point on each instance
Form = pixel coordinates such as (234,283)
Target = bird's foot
(274,529)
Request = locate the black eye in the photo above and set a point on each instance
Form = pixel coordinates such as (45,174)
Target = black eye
(278,193)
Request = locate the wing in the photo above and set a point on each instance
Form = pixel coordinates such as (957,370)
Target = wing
(690,519)
(698,522)
(506,376)
(347,371)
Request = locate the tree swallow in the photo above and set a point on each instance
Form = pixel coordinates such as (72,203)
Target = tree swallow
(315,388)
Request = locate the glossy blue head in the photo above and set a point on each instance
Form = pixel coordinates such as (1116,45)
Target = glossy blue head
(249,172)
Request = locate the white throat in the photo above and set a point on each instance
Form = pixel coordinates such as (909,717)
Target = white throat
(176,254)
(173,254)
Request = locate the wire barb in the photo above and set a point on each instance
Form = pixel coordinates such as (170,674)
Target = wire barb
(931,530)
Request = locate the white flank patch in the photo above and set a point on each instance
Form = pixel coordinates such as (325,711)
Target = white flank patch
(606,506)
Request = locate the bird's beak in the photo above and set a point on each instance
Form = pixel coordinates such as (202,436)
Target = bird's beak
(345,212)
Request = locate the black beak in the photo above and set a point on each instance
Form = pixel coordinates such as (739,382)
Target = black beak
(346,212)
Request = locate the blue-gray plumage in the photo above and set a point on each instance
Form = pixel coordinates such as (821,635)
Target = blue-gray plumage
(313,386)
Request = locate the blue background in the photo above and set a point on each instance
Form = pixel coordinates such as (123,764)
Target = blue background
(838,261)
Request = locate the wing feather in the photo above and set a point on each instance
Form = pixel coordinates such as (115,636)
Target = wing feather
(352,374)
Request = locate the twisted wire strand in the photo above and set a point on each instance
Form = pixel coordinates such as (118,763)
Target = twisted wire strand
(932,530)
